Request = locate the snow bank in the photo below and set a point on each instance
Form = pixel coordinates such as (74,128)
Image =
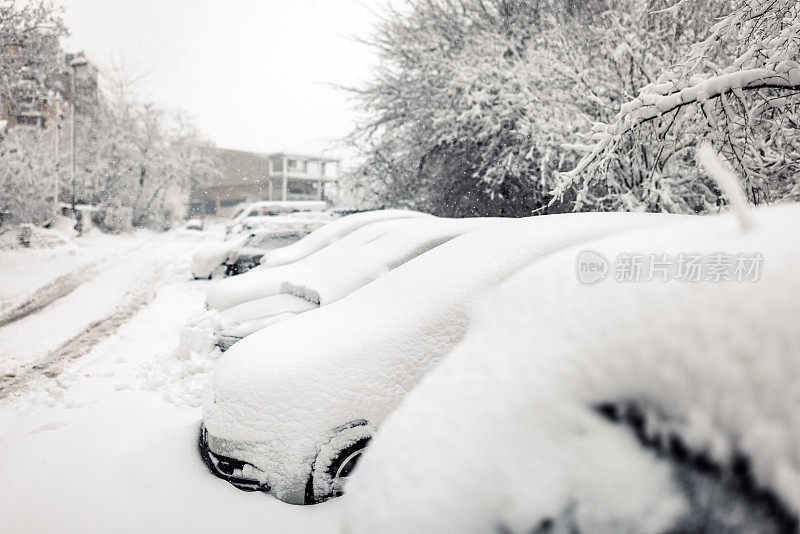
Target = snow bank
(181,375)
(507,433)
(277,394)
(263,282)
(330,233)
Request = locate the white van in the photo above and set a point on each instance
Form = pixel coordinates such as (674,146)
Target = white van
(256,214)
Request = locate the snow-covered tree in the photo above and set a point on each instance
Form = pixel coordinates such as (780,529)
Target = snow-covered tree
(138,161)
(477,103)
(737,86)
(453,109)
(29,34)
(27,179)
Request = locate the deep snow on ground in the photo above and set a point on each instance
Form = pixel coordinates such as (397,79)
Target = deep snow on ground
(108,441)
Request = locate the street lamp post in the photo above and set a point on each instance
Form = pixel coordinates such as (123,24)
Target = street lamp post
(74,64)
(56,141)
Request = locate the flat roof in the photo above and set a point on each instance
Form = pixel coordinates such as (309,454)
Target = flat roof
(308,157)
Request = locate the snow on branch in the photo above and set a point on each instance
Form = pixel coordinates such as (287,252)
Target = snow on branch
(650,104)
(714,166)
(739,84)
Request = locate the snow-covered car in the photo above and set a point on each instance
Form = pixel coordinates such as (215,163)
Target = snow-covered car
(260,243)
(31,236)
(658,398)
(290,408)
(333,231)
(257,214)
(194,224)
(317,281)
(240,253)
(331,241)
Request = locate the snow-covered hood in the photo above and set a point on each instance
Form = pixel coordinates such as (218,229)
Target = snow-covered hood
(237,321)
(261,282)
(710,369)
(277,394)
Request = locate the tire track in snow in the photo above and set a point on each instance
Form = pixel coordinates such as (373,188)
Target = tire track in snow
(60,287)
(52,364)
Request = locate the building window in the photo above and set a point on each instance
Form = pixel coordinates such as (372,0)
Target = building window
(211,207)
(299,165)
(196,208)
(27,120)
(302,190)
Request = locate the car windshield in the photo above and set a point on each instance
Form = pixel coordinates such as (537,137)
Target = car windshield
(269,242)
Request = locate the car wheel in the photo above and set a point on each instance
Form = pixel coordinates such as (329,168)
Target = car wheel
(336,460)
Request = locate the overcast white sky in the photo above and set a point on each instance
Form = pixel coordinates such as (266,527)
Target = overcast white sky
(252,73)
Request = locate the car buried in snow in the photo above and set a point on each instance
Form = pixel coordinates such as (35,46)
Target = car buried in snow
(240,253)
(266,279)
(290,408)
(663,403)
(336,271)
(265,213)
(260,242)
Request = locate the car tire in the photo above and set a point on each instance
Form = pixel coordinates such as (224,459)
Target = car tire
(336,460)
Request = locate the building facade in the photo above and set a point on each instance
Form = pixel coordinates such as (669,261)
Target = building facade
(40,111)
(252,177)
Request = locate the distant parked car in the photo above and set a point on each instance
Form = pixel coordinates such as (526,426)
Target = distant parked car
(256,246)
(264,280)
(635,403)
(31,236)
(240,253)
(193,224)
(290,408)
(258,214)
(338,270)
